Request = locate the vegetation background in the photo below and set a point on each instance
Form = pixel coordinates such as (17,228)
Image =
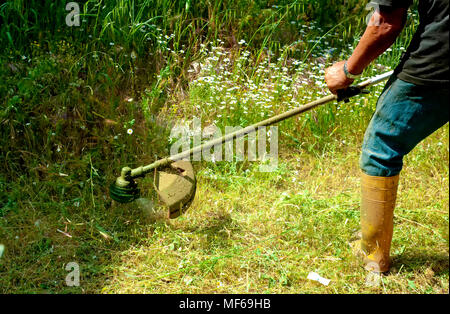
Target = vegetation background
(78,103)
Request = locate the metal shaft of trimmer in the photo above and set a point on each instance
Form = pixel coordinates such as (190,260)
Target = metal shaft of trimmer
(142,170)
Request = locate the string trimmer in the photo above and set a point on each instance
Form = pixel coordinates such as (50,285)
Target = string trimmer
(176,188)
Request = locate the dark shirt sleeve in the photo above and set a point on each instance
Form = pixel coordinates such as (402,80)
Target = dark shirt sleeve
(393,3)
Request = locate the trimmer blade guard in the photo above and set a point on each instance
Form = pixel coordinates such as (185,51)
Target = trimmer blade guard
(176,187)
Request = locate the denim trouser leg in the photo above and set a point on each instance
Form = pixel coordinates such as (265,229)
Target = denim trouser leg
(405,115)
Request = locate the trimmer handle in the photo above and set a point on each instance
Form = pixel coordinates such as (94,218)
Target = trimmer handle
(345,94)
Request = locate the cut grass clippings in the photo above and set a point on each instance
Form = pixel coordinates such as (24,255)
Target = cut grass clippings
(234,240)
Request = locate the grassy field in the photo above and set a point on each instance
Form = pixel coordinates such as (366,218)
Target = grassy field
(79,103)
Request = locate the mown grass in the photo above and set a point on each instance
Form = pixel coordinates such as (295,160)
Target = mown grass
(70,97)
(233,240)
(245,232)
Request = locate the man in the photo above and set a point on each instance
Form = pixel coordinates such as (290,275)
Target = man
(414,103)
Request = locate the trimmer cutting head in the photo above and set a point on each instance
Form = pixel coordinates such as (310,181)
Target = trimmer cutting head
(175,187)
(124,194)
(124,189)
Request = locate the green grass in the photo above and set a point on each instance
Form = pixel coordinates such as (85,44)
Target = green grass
(70,95)
(245,232)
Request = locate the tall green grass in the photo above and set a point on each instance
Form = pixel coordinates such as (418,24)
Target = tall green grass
(142,47)
(68,93)
(134,22)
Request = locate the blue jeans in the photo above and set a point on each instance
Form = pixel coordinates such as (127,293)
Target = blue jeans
(405,115)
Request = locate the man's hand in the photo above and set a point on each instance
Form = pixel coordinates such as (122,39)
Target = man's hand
(336,78)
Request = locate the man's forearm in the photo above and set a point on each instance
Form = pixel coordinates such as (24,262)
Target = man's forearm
(384,27)
(380,34)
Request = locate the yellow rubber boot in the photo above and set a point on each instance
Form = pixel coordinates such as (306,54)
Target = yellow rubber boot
(378,195)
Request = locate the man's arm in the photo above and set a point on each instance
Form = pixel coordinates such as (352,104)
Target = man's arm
(383,28)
